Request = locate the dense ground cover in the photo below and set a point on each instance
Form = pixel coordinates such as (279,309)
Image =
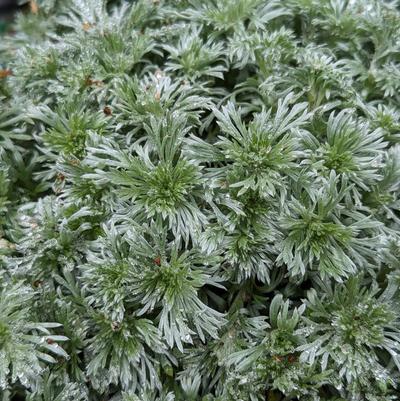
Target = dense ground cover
(199,200)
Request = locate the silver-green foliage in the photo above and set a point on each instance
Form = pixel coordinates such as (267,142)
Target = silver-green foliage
(203,199)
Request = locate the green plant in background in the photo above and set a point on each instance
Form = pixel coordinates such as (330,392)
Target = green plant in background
(199,201)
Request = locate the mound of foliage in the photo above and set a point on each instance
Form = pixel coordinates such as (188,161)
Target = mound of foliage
(199,201)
